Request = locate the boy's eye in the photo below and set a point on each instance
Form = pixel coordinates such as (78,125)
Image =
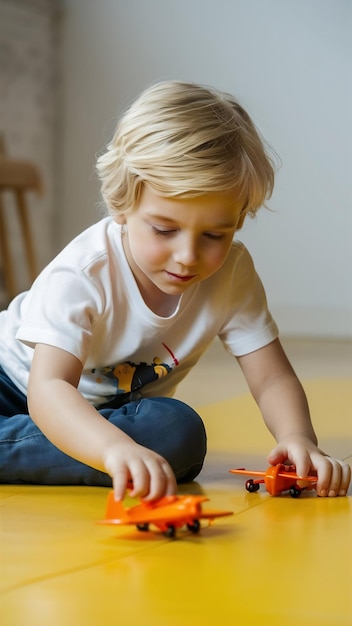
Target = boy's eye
(163,231)
(159,230)
(217,236)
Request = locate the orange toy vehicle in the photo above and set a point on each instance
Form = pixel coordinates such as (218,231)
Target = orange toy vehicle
(277,479)
(167,513)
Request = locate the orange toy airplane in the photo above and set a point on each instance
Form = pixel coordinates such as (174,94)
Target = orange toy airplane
(167,513)
(277,478)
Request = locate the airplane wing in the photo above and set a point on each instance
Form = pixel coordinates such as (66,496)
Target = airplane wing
(311,479)
(241,470)
(170,516)
(168,510)
(213,514)
(281,473)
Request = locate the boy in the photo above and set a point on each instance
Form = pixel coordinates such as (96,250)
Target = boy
(112,325)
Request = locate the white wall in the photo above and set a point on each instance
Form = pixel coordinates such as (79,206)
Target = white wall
(289,64)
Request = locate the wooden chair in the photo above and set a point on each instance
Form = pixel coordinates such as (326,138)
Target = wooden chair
(17,177)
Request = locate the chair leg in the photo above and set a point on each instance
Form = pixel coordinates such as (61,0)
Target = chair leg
(22,209)
(6,260)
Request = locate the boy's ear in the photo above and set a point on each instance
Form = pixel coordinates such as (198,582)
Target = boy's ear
(120,218)
(241,220)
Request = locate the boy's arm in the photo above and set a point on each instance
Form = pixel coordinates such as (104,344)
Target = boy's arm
(283,404)
(71,423)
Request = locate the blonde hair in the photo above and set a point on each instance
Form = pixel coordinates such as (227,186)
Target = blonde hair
(185,140)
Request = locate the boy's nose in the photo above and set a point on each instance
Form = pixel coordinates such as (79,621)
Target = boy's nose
(186,253)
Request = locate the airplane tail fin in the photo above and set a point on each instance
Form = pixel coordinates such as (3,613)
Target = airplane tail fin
(114,508)
(115,512)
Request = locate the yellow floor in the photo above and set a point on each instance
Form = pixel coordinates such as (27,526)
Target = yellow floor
(277,561)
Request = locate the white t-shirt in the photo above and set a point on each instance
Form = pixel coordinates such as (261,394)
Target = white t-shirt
(86,301)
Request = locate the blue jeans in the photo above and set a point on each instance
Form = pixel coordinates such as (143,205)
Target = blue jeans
(165,425)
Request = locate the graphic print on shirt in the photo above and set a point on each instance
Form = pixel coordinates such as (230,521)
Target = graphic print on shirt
(128,377)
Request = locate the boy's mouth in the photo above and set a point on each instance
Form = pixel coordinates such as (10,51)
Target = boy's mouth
(183,278)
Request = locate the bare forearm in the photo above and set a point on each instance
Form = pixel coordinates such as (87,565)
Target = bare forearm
(284,407)
(278,392)
(72,424)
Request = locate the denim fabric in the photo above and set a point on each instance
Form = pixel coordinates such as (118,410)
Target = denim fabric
(164,425)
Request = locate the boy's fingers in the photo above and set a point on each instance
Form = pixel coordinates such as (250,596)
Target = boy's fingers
(345,480)
(301,459)
(120,480)
(140,480)
(339,479)
(324,479)
(334,478)
(162,480)
(277,455)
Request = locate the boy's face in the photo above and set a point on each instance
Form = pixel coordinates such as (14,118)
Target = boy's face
(172,244)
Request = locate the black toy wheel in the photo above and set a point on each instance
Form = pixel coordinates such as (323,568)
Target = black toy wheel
(194,527)
(295,491)
(251,486)
(143,527)
(170,531)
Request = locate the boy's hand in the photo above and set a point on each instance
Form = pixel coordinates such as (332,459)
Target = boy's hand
(334,476)
(149,473)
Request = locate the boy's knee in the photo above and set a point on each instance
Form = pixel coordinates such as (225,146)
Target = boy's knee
(187,422)
(187,440)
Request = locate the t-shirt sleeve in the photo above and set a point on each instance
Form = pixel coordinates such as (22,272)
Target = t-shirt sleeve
(61,310)
(249,325)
